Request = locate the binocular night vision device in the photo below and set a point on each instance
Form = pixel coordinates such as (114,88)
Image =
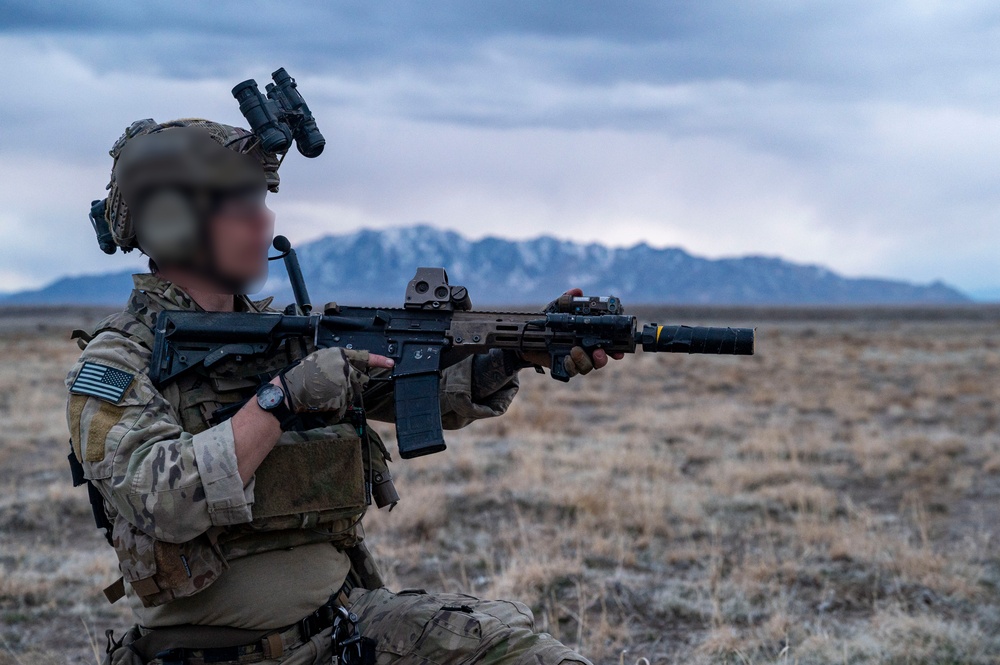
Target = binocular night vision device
(280,117)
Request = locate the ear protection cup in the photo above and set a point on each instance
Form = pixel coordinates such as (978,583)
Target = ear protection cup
(167,228)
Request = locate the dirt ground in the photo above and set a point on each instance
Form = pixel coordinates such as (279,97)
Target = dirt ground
(834,499)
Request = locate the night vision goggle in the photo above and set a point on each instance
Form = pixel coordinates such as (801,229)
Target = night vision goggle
(280,117)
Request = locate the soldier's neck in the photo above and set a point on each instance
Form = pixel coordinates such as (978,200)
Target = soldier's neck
(201,290)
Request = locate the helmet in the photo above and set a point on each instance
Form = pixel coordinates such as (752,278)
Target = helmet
(164,177)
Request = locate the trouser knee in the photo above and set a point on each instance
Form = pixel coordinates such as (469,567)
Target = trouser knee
(454,629)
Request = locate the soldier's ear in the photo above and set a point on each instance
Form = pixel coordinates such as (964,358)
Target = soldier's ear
(167,228)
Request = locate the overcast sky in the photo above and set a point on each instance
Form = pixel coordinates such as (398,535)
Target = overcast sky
(864,136)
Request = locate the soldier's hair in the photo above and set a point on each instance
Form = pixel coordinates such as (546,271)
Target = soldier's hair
(153,268)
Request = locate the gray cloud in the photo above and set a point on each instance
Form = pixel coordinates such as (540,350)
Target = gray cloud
(860,135)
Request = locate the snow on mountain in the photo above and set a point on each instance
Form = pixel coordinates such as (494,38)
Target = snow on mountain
(374,267)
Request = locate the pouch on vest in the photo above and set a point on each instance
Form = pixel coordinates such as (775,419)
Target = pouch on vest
(309,477)
(158,571)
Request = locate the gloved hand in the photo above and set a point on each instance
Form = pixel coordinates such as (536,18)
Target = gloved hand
(578,361)
(329,380)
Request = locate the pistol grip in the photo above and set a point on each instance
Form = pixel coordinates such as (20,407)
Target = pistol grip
(418,415)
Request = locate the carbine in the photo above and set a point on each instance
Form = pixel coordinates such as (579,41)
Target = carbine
(434,329)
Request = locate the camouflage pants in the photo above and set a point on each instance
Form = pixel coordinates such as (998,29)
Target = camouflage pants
(417,628)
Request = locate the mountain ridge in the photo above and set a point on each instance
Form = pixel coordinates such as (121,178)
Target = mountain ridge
(374,266)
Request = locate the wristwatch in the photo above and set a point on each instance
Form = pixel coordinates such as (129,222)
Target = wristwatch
(271,398)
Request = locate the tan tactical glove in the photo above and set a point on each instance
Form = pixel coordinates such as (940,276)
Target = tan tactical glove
(578,362)
(328,380)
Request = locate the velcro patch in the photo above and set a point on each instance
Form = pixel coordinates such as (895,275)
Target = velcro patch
(76,404)
(98,427)
(101,381)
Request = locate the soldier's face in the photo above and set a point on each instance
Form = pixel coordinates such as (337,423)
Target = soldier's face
(241,234)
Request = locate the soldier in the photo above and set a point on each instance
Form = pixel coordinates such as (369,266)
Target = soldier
(234,497)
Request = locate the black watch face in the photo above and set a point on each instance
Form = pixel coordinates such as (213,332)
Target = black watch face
(269,397)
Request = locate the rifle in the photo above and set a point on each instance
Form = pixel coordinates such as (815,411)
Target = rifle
(434,329)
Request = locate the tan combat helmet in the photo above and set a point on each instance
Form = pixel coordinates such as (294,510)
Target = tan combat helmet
(167,173)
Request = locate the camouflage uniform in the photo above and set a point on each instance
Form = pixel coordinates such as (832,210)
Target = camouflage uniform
(181,516)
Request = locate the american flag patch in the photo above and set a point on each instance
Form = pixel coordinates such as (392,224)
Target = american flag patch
(101,381)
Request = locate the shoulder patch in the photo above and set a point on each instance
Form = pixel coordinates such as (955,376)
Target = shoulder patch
(101,381)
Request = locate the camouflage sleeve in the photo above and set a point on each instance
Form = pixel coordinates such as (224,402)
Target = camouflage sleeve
(477,387)
(171,484)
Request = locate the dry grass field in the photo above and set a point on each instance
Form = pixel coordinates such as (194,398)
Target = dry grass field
(834,499)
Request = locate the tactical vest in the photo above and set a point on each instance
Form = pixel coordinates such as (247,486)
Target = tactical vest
(313,487)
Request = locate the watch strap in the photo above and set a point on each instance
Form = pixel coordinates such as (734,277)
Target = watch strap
(287,419)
